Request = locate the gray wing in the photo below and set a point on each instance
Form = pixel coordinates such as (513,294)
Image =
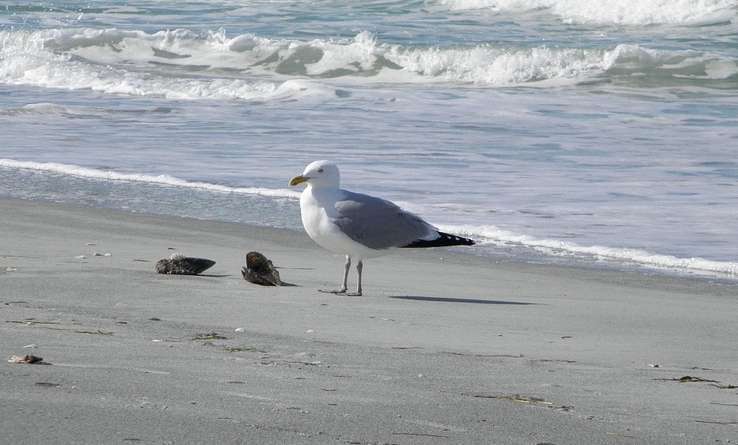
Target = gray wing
(379,224)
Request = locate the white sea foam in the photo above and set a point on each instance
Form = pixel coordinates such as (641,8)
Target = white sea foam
(495,236)
(165,180)
(620,12)
(52,109)
(43,108)
(44,58)
(180,64)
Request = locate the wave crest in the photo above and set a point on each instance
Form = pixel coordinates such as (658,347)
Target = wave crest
(90,59)
(618,12)
(180,64)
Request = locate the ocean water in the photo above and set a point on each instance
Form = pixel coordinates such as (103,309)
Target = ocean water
(588,131)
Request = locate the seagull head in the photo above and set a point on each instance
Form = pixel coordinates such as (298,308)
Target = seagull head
(319,174)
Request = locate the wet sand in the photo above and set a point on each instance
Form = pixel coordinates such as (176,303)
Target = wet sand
(443,348)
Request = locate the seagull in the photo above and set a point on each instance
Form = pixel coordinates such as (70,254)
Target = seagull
(359,226)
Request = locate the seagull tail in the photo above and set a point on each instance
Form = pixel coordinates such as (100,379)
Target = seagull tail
(444,239)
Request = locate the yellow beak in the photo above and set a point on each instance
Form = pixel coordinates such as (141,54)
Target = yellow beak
(298,180)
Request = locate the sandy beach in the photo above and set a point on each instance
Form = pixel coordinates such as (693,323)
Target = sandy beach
(442,348)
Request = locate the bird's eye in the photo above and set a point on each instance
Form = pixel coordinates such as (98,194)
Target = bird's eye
(320,170)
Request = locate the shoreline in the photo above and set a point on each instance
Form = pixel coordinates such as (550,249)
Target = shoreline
(582,257)
(276,207)
(444,346)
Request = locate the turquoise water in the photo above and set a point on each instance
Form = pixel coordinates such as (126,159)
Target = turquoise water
(564,130)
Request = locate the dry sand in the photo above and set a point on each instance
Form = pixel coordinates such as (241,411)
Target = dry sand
(443,348)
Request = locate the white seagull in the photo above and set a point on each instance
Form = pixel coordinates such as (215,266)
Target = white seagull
(359,226)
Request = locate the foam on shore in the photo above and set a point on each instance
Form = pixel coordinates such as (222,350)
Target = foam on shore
(491,235)
(165,180)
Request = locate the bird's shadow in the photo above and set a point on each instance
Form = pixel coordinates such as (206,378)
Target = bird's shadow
(459,300)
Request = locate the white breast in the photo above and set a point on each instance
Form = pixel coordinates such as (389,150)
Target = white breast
(317,210)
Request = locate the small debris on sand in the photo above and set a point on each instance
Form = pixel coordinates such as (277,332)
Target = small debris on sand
(416,434)
(719,422)
(27,360)
(719,386)
(178,264)
(209,336)
(93,332)
(242,349)
(260,270)
(31,321)
(689,379)
(529,400)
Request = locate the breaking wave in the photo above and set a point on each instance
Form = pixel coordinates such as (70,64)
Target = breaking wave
(181,64)
(84,59)
(618,12)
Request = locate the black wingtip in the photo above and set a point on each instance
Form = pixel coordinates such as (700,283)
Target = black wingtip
(444,239)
